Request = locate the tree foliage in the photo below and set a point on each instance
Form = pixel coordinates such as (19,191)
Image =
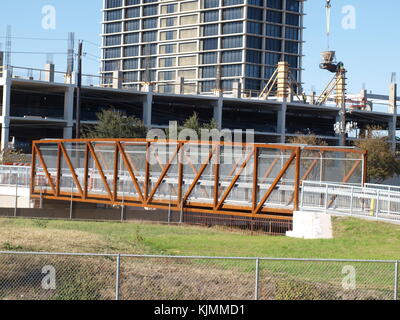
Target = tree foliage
(382,161)
(194,123)
(113,124)
(13,156)
(310,139)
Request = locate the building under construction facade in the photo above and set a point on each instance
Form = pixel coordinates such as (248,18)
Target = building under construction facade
(37,104)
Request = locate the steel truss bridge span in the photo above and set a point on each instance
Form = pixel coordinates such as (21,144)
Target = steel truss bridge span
(235,179)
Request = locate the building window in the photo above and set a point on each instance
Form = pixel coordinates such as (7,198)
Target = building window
(231,70)
(207,86)
(167,62)
(188,33)
(113,15)
(254,42)
(292,33)
(167,75)
(231,56)
(131,38)
(232,42)
(169,22)
(255,13)
(111,65)
(187,61)
(185,20)
(149,36)
(132,13)
(232,13)
(112,53)
(208,72)
(292,47)
(253,56)
(187,74)
(131,51)
(272,58)
(150,10)
(210,16)
(292,19)
(210,30)
(268,72)
(293,5)
(209,58)
(132,2)
(150,23)
(232,27)
(132,25)
(276,4)
(130,64)
(273,30)
(114,40)
(149,49)
(210,4)
(168,35)
(131,76)
(273,45)
(189,6)
(210,44)
(168,48)
(293,61)
(148,63)
(188,47)
(113,27)
(274,16)
(253,71)
(254,27)
(251,84)
(169,8)
(113,4)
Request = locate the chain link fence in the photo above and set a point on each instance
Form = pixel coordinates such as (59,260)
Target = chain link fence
(68,276)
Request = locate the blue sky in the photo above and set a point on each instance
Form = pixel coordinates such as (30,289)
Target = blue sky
(370,51)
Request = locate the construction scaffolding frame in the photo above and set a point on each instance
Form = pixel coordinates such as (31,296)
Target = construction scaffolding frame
(235,179)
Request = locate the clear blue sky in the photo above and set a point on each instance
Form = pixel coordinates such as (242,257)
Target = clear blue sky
(370,51)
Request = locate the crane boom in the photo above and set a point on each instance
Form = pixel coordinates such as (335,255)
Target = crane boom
(328,19)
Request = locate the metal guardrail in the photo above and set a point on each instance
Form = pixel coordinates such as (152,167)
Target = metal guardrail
(15,175)
(82,276)
(379,203)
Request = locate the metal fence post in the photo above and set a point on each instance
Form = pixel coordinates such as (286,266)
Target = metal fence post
(326,198)
(396,280)
(377,205)
(16,197)
(117,278)
(257,289)
(351,200)
(70,205)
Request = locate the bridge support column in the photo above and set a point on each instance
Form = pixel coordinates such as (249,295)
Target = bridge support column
(68,112)
(393,109)
(311,225)
(5,115)
(218,105)
(148,106)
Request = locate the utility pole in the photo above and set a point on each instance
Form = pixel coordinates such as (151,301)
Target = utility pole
(78,92)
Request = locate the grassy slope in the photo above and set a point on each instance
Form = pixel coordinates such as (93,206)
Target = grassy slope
(355,239)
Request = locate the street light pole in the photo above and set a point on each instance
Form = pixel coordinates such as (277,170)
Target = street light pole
(78,92)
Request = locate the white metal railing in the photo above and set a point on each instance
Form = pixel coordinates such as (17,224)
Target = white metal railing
(367,202)
(15,175)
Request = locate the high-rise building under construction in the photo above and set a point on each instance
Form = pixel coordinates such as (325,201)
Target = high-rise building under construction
(210,43)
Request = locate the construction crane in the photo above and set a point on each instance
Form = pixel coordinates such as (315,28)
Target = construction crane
(328,19)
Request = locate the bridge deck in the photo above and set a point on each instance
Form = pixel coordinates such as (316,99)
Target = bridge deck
(251,180)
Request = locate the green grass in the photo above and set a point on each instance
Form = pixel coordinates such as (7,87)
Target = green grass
(354,239)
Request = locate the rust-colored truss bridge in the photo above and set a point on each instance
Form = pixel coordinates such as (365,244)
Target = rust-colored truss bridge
(246,180)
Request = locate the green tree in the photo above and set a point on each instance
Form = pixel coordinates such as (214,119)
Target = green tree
(194,123)
(113,124)
(382,161)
